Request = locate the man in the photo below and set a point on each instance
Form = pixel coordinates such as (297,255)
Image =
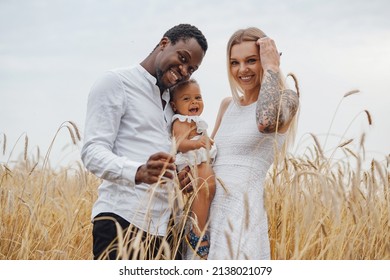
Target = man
(127,144)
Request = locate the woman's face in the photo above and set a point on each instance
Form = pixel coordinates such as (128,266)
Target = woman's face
(245,65)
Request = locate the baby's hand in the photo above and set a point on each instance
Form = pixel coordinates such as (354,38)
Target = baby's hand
(205,142)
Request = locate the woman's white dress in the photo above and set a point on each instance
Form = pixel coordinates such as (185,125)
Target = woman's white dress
(238,220)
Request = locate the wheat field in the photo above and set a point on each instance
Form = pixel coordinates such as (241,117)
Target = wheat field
(319,208)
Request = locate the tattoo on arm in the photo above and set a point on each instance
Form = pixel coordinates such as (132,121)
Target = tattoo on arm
(268,102)
(274,107)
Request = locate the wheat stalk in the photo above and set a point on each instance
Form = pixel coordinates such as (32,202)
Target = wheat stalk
(4,143)
(352,92)
(25,147)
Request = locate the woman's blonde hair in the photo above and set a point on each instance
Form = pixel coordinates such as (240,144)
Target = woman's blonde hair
(252,34)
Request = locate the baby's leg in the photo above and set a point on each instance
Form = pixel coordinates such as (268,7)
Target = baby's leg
(204,194)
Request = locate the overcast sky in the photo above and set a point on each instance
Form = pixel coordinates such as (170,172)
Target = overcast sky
(51,52)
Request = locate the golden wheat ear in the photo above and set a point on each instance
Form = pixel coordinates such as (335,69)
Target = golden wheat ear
(292,75)
(4,143)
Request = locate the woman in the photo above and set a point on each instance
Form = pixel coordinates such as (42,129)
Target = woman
(251,128)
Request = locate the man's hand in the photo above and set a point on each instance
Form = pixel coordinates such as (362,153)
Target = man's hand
(158,165)
(185,180)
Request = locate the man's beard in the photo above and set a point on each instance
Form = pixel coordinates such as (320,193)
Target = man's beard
(159,75)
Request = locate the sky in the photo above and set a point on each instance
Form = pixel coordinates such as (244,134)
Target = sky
(51,52)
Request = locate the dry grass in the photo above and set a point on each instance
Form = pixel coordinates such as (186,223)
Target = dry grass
(319,208)
(323,211)
(45,214)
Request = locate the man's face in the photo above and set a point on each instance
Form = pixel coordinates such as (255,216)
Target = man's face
(176,63)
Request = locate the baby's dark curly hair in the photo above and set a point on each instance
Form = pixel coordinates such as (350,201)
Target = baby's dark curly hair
(184,32)
(180,86)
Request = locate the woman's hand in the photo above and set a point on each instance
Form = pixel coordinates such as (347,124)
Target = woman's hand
(269,55)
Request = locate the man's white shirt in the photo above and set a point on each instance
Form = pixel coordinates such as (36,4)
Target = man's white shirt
(125,125)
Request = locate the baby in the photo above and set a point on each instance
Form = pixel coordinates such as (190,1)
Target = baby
(195,149)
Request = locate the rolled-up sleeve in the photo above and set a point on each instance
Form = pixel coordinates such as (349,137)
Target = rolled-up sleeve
(106,106)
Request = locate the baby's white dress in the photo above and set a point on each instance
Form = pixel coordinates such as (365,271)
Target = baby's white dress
(194,157)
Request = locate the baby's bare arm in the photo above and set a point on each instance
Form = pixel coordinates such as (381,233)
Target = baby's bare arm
(183,131)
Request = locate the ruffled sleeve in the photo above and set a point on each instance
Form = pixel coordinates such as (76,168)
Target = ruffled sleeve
(201,125)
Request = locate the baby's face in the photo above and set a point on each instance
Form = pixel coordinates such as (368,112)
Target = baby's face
(188,101)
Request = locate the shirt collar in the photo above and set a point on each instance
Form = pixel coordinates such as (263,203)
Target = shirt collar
(166,96)
(152,79)
(146,74)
